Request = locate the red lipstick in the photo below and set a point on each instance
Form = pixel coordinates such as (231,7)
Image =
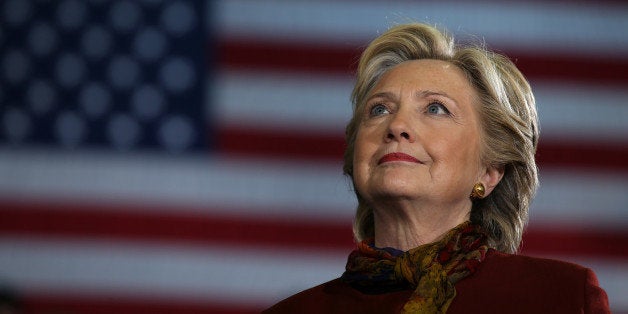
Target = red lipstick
(397,157)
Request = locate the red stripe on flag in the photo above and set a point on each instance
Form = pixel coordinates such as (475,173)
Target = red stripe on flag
(98,221)
(560,240)
(290,57)
(300,145)
(592,70)
(154,224)
(590,155)
(279,144)
(321,58)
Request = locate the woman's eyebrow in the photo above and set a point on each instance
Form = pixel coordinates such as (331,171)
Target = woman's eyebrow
(385,95)
(427,93)
(421,94)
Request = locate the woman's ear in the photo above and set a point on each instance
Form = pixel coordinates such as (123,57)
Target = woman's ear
(491,178)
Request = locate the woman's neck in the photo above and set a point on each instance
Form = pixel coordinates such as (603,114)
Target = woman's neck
(405,227)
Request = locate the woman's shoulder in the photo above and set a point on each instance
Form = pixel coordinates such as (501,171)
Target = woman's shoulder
(336,296)
(498,260)
(306,299)
(523,284)
(528,271)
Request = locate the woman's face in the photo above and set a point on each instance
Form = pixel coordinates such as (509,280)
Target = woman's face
(419,136)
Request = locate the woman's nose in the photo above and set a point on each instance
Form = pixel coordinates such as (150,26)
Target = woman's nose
(399,129)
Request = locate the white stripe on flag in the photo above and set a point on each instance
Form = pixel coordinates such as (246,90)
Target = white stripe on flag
(264,187)
(321,104)
(541,26)
(238,274)
(278,187)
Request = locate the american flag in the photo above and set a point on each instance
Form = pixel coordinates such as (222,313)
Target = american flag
(185,156)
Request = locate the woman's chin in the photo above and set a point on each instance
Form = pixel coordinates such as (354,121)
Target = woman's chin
(397,188)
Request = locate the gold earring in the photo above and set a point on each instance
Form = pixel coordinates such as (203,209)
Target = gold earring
(478,190)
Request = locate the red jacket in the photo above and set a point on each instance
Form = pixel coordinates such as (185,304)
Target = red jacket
(504,283)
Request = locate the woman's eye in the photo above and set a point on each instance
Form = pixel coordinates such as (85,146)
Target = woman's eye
(378,110)
(437,109)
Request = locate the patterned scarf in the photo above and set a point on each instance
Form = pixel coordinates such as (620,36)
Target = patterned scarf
(431,269)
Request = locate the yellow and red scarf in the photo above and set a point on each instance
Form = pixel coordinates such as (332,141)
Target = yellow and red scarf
(431,270)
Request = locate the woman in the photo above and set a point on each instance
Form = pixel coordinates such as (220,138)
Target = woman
(441,154)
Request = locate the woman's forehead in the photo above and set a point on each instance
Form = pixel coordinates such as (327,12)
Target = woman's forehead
(425,76)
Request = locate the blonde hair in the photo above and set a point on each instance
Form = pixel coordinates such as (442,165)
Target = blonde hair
(507,114)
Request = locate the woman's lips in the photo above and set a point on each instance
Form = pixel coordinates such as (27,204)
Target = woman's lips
(397,157)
